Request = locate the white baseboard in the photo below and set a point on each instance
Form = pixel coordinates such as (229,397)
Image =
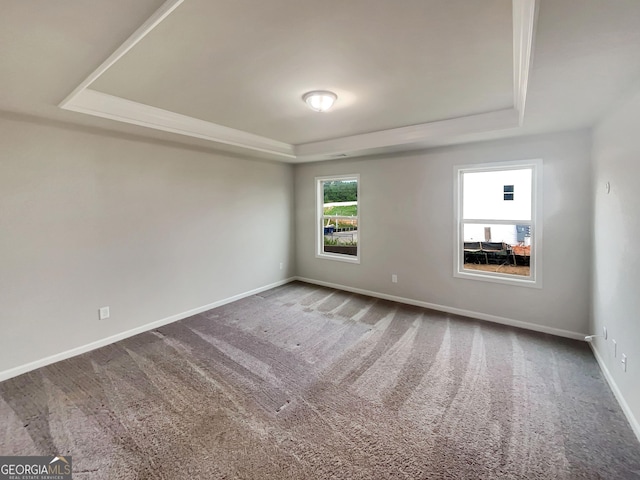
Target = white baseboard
(635,426)
(14,372)
(456,311)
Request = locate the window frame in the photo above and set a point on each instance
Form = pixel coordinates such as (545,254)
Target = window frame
(535,278)
(319,219)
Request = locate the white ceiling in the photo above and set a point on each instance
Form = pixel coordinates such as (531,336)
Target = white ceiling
(230,74)
(246,65)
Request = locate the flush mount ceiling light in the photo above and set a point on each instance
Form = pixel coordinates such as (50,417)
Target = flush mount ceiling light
(320,100)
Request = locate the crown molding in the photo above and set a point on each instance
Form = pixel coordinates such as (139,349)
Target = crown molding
(85,100)
(152,22)
(525,15)
(422,133)
(112,107)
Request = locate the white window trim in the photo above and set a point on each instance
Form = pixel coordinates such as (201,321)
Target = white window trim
(319,213)
(535,278)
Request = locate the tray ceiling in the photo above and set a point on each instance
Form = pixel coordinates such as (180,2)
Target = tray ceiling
(234,72)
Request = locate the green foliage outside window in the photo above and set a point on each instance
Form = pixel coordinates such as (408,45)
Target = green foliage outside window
(340,191)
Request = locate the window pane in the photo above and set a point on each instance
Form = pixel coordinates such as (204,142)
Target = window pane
(340,191)
(348,209)
(497,248)
(340,236)
(497,195)
(340,217)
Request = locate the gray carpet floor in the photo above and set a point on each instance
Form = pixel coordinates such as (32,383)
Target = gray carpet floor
(305,382)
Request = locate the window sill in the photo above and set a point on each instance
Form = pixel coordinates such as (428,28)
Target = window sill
(339,258)
(498,278)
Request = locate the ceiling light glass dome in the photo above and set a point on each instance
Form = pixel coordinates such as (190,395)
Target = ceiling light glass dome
(320,100)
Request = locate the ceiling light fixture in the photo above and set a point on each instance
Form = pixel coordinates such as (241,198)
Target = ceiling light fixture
(320,100)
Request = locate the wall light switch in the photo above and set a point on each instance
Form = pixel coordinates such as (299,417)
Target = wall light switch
(104,313)
(394,278)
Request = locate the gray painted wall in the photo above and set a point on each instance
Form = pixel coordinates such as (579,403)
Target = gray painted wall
(154,230)
(151,230)
(616,228)
(406,206)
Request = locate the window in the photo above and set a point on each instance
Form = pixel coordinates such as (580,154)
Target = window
(337,222)
(498,235)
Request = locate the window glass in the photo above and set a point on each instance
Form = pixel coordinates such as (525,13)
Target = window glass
(497,195)
(497,248)
(338,217)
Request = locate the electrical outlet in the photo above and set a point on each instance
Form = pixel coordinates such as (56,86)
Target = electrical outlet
(394,278)
(604,332)
(623,360)
(281,265)
(615,348)
(104,313)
